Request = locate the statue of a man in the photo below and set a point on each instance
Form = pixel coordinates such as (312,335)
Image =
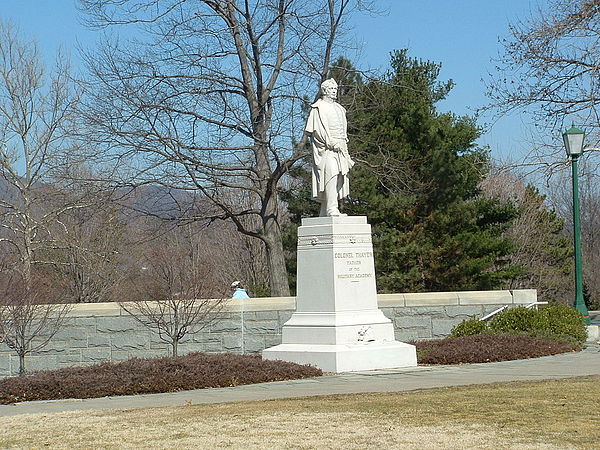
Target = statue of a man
(327,127)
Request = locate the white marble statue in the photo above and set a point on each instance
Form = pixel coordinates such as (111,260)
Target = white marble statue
(327,127)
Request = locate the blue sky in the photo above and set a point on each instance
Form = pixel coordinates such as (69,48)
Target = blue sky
(461,34)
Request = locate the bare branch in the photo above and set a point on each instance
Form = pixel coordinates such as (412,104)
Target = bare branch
(210,97)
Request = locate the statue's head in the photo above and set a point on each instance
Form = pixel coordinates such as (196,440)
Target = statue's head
(329,88)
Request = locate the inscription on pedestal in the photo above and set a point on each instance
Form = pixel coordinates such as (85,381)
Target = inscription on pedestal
(354,268)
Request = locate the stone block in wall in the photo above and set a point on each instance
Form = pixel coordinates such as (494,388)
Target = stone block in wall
(205,337)
(120,355)
(487,309)
(248,315)
(226,325)
(75,344)
(98,340)
(413,334)
(262,327)
(53,347)
(14,365)
(442,327)
(464,312)
(254,344)
(154,339)
(89,323)
(5,365)
(232,342)
(116,324)
(267,315)
(271,340)
(70,358)
(64,344)
(429,311)
(127,341)
(156,353)
(95,355)
(228,319)
(71,333)
(412,322)
(388,312)
(284,316)
(157,345)
(35,363)
(212,347)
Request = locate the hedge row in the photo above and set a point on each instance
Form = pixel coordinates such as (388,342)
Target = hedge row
(151,375)
(555,322)
(487,347)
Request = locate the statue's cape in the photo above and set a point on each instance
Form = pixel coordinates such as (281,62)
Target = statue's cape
(318,125)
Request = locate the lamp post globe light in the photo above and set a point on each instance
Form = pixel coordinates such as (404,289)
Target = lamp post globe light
(573,141)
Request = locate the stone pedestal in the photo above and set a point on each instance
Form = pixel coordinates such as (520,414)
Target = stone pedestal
(337,325)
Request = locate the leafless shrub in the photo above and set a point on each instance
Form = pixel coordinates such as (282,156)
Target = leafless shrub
(173,285)
(29,316)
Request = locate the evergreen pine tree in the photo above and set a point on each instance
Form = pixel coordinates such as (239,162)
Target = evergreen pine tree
(417,180)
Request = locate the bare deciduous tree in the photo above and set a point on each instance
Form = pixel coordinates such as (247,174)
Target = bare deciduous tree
(209,98)
(36,115)
(36,112)
(541,246)
(561,197)
(550,69)
(94,250)
(176,278)
(29,318)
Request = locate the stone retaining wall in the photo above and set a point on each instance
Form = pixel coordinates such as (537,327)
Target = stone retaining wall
(104,332)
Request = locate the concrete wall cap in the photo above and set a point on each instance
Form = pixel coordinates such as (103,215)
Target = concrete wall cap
(384,300)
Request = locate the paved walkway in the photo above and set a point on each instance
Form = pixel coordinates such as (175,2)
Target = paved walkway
(567,365)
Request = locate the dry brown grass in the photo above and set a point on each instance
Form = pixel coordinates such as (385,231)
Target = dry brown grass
(549,414)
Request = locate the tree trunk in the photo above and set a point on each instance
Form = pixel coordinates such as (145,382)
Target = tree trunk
(21,364)
(271,217)
(276,261)
(174,348)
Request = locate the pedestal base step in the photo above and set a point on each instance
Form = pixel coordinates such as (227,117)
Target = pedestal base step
(348,357)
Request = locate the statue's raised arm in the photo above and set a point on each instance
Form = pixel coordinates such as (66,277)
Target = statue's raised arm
(327,127)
